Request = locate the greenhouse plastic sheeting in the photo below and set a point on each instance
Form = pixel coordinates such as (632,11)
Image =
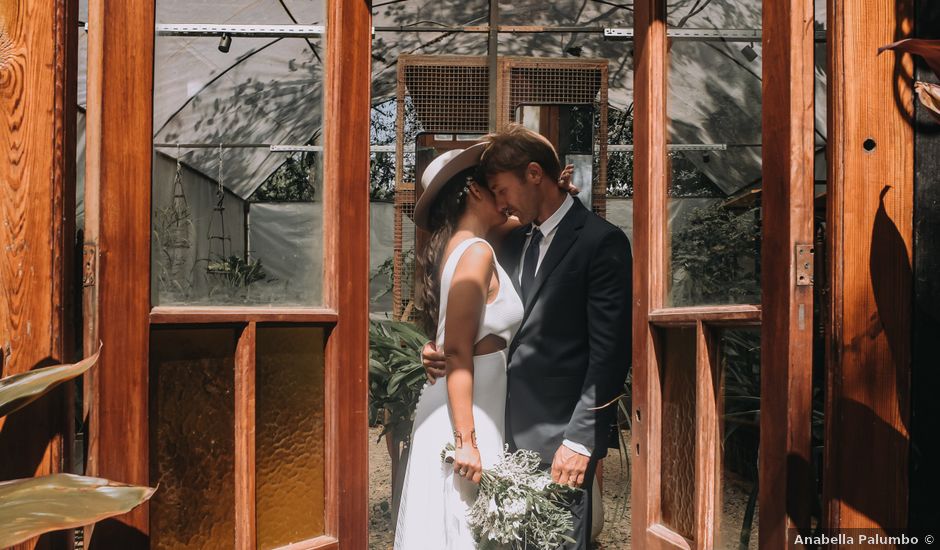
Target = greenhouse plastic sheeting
(269,91)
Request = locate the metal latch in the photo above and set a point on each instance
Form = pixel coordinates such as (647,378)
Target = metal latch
(804,264)
(89,259)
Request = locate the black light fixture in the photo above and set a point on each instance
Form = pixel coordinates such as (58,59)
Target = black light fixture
(748,52)
(574,51)
(225,43)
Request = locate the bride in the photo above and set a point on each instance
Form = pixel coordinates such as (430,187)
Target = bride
(470,303)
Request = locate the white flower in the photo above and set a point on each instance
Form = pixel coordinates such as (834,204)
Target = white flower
(515,508)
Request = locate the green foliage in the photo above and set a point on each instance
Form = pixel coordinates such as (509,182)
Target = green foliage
(237,272)
(396,376)
(713,257)
(295,180)
(619,163)
(33,506)
(172,230)
(382,127)
(291,182)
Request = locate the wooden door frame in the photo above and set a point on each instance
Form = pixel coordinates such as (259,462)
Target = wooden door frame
(870,238)
(39,70)
(786,311)
(788,123)
(118,172)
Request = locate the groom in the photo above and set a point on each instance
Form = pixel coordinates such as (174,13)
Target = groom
(570,357)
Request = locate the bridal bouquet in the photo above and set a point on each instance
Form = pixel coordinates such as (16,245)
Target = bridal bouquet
(518,504)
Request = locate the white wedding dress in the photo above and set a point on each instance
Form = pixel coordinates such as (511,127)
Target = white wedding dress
(435,501)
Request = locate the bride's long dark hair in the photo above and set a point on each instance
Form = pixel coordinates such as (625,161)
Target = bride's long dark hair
(448,207)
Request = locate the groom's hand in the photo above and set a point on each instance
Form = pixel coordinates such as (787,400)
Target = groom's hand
(433,361)
(568,467)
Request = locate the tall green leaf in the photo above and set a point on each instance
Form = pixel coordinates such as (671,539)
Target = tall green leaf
(19,390)
(33,506)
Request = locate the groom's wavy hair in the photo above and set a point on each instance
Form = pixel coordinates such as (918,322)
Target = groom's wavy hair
(445,212)
(512,149)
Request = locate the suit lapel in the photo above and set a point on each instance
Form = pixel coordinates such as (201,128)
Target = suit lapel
(567,233)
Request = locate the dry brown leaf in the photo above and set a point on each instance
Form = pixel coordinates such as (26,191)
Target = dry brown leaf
(929,95)
(928,49)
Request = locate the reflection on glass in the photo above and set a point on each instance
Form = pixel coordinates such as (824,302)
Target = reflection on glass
(289,435)
(677,347)
(192,439)
(714,115)
(740,391)
(233,222)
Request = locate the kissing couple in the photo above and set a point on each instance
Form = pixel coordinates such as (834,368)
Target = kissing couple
(529,295)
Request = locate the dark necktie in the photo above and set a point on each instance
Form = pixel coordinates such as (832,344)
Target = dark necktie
(529,262)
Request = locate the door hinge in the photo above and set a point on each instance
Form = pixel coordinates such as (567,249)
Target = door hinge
(89,261)
(804,264)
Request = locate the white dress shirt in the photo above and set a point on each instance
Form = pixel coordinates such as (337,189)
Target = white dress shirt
(548,229)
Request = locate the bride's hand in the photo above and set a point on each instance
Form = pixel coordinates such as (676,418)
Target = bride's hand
(564,180)
(467,463)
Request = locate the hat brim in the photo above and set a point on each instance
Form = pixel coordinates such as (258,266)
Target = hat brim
(438,173)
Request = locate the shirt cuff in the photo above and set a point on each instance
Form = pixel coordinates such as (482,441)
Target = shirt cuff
(576,447)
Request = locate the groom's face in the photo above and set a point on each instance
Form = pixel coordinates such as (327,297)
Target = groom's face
(515,196)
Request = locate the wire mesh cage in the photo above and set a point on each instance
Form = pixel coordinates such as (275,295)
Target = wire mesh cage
(403,266)
(449,95)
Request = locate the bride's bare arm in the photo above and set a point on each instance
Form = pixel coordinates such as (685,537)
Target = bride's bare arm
(466,299)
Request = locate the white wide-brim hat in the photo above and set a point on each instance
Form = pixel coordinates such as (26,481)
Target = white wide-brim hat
(438,173)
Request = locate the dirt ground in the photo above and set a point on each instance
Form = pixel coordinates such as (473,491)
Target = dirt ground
(616,533)
(616,496)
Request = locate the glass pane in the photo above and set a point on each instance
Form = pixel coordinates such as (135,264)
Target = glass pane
(677,348)
(714,114)
(289,434)
(740,390)
(192,445)
(727,14)
(233,222)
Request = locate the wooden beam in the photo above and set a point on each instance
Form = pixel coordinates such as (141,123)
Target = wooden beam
(737,315)
(870,234)
(785,478)
(38,76)
(786,489)
(245,517)
(648,218)
(117,201)
(203,315)
(708,443)
(346,285)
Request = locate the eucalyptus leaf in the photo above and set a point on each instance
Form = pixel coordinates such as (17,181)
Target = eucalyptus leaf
(19,390)
(30,507)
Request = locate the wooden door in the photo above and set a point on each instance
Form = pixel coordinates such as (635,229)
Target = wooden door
(237,386)
(38,67)
(722,297)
